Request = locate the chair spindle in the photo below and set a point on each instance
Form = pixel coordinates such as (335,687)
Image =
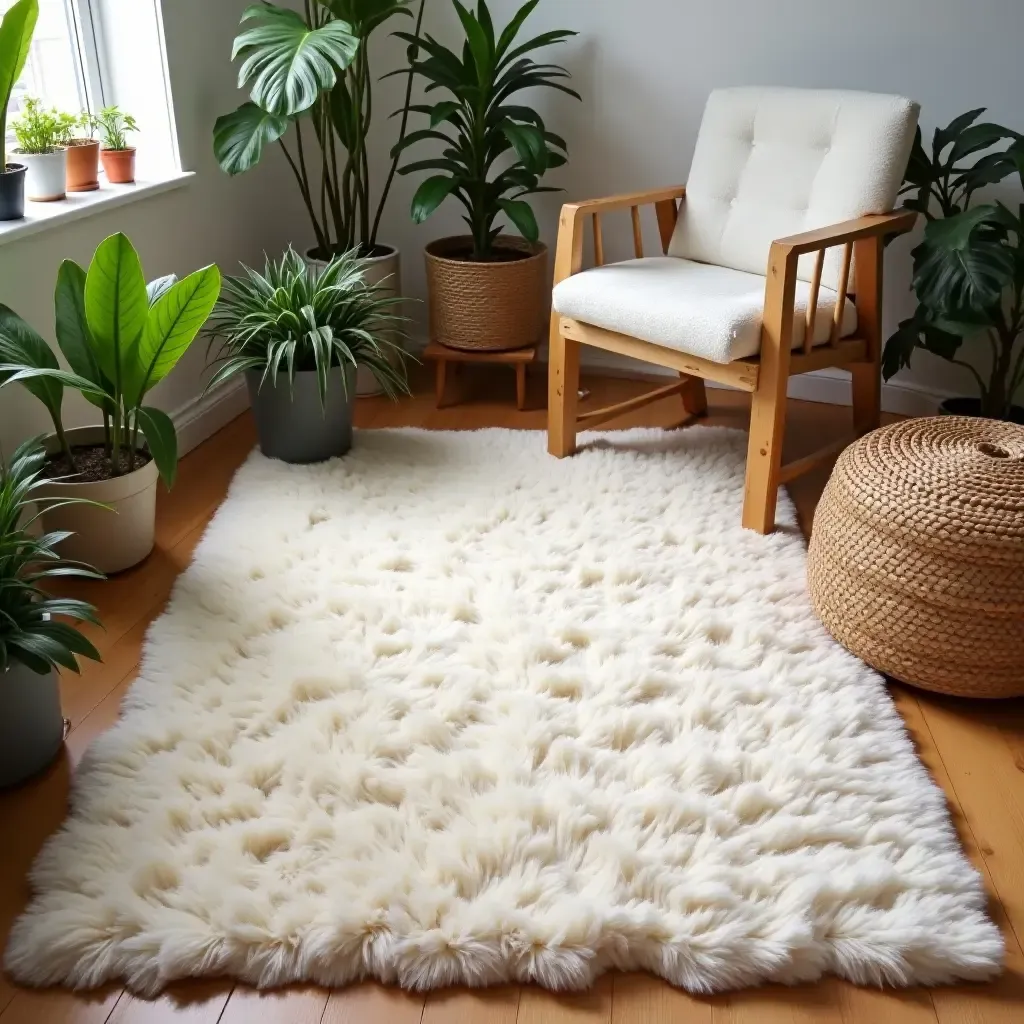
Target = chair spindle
(638,237)
(844,286)
(598,241)
(812,301)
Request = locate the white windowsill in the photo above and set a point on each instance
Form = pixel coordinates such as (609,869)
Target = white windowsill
(46,216)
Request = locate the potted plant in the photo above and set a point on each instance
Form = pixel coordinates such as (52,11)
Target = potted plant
(43,137)
(120,338)
(117,156)
(487,290)
(969,269)
(16,30)
(310,78)
(84,157)
(299,332)
(34,642)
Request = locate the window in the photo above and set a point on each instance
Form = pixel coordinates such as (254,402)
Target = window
(62,69)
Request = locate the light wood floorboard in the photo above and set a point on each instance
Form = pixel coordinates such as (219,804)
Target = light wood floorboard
(974,750)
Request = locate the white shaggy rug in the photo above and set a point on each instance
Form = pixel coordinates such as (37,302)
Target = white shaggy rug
(452,711)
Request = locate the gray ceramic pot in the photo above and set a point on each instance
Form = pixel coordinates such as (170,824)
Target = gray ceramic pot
(290,421)
(31,723)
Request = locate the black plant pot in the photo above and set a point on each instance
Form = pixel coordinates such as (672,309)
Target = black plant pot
(12,192)
(972,407)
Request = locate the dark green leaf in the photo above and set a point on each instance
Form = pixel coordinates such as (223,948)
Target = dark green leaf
(429,196)
(240,137)
(522,216)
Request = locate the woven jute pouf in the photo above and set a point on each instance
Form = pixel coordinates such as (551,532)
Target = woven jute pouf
(487,307)
(916,562)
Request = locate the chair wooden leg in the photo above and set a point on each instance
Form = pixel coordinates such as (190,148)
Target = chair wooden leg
(764,457)
(695,397)
(440,381)
(867,397)
(563,393)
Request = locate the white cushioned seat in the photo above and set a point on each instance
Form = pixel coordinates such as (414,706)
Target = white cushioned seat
(709,311)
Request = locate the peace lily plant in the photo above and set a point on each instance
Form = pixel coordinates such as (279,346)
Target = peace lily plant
(120,337)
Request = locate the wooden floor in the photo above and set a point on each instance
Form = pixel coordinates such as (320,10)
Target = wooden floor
(974,750)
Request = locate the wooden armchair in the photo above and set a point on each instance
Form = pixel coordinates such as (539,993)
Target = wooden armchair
(730,302)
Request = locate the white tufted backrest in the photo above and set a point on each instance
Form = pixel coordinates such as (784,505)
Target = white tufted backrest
(774,162)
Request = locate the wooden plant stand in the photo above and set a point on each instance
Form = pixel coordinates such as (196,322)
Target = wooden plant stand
(520,358)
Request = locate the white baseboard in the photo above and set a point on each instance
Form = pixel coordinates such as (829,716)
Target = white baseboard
(202,417)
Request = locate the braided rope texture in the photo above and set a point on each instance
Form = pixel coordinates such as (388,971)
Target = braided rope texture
(916,561)
(487,307)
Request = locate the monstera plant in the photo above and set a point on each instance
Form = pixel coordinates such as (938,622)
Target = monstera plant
(969,269)
(311,91)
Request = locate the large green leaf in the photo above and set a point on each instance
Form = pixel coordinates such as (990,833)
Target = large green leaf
(521,214)
(21,347)
(162,442)
(173,323)
(72,329)
(944,136)
(287,63)
(979,137)
(529,144)
(964,262)
(239,138)
(430,195)
(116,305)
(15,36)
(480,47)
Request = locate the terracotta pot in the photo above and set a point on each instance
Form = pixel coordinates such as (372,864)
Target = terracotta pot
(383,271)
(83,165)
(119,165)
(45,176)
(109,540)
(489,307)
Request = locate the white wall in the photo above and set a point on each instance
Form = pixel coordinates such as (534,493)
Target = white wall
(213,220)
(645,67)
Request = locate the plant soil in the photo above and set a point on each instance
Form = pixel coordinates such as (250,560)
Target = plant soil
(91,464)
(496,256)
(364,252)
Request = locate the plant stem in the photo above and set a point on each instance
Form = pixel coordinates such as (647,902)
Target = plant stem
(115,448)
(366,117)
(106,433)
(414,53)
(63,441)
(304,191)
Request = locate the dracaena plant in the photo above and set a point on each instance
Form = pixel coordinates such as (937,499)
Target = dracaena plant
(31,630)
(121,337)
(294,317)
(311,92)
(969,269)
(16,30)
(495,150)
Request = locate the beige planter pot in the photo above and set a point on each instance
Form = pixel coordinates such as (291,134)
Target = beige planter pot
(108,540)
(487,307)
(383,272)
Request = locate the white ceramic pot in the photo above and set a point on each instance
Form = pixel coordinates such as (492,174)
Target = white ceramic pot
(384,272)
(46,176)
(108,540)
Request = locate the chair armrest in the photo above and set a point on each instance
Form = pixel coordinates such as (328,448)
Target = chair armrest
(569,250)
(624,202)
(874,225)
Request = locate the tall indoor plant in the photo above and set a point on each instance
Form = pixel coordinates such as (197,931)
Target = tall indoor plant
(311,91)
(16,30)
(34,641)
(969,269)
(298,332)
(120,338)
(496,152)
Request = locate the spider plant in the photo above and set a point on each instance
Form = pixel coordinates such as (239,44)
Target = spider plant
(294,318)
(30,631)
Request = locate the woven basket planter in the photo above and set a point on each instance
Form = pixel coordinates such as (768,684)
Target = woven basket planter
(487,307)
(916,561)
